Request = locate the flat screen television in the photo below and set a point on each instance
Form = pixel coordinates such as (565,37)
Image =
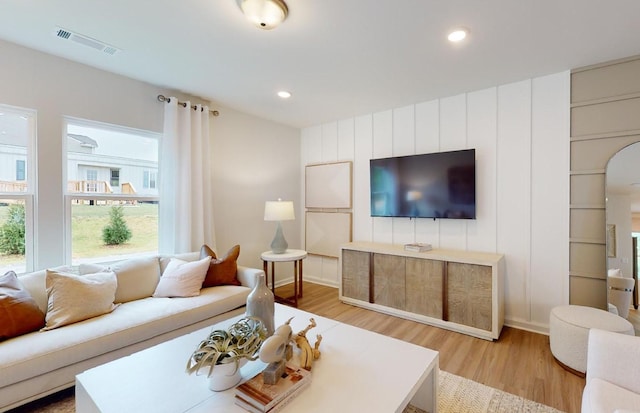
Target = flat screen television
(430,185)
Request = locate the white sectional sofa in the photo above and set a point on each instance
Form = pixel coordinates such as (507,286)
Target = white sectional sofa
(613,373)
(42,362)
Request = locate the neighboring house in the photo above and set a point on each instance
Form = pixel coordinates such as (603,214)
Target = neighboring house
(86,171)
(13,171)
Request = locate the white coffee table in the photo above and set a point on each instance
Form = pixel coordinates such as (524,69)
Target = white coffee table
(359,371)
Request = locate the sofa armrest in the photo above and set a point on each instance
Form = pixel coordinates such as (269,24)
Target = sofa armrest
(247,276)
(614,357)
(621,283)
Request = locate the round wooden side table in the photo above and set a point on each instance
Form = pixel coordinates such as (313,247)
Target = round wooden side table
(295,256)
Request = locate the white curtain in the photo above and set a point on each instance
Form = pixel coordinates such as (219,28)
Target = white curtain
(186,195)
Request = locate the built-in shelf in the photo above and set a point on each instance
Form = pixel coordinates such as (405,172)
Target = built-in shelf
(588,172)
(596,241)
(607,99)
(587,206)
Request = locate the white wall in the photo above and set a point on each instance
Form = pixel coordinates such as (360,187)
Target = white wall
(56,87)
(254,160)
(521,135)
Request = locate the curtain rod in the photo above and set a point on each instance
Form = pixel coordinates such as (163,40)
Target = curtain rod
(161,98)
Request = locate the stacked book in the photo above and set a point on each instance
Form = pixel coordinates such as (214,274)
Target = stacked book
(257,397)
(417,247)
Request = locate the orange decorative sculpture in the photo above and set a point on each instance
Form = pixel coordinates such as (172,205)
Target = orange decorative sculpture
(307,353)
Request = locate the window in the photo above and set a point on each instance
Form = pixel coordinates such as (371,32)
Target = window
(17,140)
(20,170)
(115,177)
(107,194)
(92,180)
(149,180)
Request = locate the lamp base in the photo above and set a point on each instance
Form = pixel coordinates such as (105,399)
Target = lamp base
(279,244)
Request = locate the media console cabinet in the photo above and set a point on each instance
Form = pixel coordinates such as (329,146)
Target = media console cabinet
(457,290)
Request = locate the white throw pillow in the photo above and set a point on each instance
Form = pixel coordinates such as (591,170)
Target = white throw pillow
(185,256)
(182,278)
(35,283)
(137,277)
(73,298)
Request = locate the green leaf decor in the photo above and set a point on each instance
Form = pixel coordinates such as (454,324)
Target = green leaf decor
(241,340)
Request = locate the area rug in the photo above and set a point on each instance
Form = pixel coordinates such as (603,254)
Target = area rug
(459,395)
(455,395)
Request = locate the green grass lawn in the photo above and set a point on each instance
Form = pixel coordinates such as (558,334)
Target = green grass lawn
(87,222)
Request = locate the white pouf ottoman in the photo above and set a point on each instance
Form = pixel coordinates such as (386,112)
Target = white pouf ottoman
(569,332)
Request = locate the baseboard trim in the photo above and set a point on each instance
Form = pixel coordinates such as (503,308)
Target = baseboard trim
(527,326)
(309,279)
(513,323)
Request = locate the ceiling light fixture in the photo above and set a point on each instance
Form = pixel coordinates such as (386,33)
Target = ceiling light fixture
(457,35)
(265,14)
(284,94)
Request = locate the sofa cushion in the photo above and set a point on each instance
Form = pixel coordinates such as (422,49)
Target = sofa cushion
(19,312)
(187,256)
(137,277)
(73,298)
(34,282)
(221,271)
(37,353)
(601,396)
(182,278)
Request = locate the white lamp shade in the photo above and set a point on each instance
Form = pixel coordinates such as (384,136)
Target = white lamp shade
(278,211)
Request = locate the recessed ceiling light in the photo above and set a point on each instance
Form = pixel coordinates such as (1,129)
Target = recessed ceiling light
(457,35)
(284,94)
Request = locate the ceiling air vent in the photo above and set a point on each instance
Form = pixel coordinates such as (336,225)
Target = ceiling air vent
(86,41)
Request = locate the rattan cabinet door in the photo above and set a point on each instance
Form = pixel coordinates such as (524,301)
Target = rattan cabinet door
(469,295)
(389,280)
(355,274)
(424,287)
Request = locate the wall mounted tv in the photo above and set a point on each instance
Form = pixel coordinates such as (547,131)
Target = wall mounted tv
(430,185)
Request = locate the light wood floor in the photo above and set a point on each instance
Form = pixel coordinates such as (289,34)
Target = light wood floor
(520,362)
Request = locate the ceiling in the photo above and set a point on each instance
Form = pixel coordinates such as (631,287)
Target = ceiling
(339,58)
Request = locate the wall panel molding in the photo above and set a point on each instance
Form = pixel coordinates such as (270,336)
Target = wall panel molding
(512,127)
(605,99)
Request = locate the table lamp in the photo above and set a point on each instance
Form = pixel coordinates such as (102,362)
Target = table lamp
(279,211)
